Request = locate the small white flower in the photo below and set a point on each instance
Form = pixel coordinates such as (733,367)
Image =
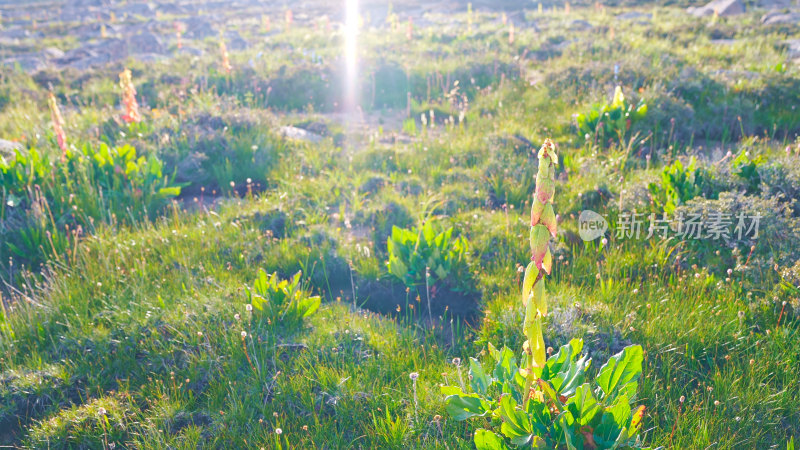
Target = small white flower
(604,242)
(248,307)
(237,316)
(101,411)
(636,290)
(413,376)
(278,431)
(244,334)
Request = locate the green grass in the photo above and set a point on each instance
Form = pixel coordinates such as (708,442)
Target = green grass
(132,335)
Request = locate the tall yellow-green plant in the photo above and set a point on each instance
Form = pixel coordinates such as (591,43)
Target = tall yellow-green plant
(543,226)
(548,402)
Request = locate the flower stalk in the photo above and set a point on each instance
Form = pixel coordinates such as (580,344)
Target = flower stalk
(58,125)
(225,60)
(543,227)
(129,97)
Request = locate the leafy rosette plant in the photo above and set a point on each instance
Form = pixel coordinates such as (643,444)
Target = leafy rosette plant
(606,121)
(538,402)
(417,253)
(281,301)
(679,184)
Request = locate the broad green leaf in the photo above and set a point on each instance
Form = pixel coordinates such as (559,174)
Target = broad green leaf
(572,437)
(615,419)
(462,406)
(583,405)
(516,424)
(478,379)
(549,392)
(486,440)
(571,376)
(506,367)
(262,283)
(540,417)
(620,374)
(565,354)
(309,305)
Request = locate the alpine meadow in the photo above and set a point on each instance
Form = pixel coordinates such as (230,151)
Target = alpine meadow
(366,224)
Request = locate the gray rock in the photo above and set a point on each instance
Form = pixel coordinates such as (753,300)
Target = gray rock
(632,15)
(90,61)
(792,48)
(199,28)
(172,8)
(94,31)
(137,9)
(52,52)
(146,42)
(190,169)
(72,15)
(191,51)
(8,149)
(580,25)
(777,18)
(774,4)
(98,54)
(234,41)
(15,34)
(299,134)
(28,63)
(724,8)
(561,46)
